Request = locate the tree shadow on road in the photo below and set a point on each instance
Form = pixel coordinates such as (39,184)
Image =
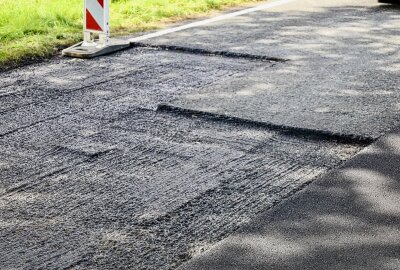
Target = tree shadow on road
(349,219)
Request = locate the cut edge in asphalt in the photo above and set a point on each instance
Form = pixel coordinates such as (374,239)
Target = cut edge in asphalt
(312,134)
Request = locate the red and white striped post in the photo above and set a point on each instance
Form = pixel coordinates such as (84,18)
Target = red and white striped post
(96,23)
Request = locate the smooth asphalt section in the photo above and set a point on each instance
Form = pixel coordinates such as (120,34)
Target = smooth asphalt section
(341,75)
(348,219)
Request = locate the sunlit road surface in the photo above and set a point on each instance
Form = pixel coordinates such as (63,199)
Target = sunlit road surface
(146,158)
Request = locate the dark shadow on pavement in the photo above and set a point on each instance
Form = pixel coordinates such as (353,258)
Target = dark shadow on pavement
(349,219)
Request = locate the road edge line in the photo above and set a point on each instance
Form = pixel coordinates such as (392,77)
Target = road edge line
(211,20)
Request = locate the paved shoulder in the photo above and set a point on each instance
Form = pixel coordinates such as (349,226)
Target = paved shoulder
(349,219)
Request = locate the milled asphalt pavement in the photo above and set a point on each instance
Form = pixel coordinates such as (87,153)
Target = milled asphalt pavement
(146,158)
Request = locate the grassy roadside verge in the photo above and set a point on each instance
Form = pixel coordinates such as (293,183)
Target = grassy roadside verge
(39,28)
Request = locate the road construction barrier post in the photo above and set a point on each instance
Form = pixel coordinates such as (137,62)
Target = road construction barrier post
(96,32)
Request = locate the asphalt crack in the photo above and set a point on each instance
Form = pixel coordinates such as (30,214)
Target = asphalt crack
(74,89)
(205,52)
(5,134)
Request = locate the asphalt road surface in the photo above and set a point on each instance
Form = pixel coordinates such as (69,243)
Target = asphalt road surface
(111,163)
(342,73)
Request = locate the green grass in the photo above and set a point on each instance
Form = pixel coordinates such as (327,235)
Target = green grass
(39,28)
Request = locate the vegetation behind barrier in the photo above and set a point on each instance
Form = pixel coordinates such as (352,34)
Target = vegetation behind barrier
(32,29)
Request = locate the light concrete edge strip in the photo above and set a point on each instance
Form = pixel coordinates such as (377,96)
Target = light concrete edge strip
(211,20)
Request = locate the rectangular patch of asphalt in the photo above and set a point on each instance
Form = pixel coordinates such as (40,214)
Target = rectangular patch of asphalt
(139,77)
(341,77)
(280,96)
(141,189)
